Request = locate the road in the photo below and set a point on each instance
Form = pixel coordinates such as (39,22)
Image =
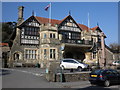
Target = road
(35,78)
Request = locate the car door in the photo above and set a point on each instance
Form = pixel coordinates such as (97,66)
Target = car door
(109,76)
(116,76)
(74,64)
(66,64)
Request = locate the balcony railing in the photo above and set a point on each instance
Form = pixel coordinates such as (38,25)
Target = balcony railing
(49,41)
(84,42)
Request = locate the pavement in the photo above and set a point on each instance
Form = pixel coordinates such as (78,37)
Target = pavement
(33,71)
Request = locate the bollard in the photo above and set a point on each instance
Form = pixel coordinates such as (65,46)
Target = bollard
(61,75)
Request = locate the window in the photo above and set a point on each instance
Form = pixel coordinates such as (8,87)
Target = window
(75,36)
(44,36)
(31,31)
(67,61)
(73,61)
(65,35)
(69,35)
(115,72)
(97,71)
(94,40)
(52,53)
(45,53)
(94,55)
(30,54)
(22,31)
(108,72)
(52,35)
(27,54)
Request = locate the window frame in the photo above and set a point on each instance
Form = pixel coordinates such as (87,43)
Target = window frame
(30,54)
(52,53)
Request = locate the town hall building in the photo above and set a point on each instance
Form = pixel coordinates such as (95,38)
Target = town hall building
(41,40)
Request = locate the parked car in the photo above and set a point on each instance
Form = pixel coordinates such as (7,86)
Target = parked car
(117,62)
(105,77)
(73,64)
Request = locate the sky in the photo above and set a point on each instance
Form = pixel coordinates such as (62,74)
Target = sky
(103,13)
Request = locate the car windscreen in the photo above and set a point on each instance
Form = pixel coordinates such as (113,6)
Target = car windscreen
(97,71)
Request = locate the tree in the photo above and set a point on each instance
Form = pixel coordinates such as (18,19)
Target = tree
(7,30)
(115,47)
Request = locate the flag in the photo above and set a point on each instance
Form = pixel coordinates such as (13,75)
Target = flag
(46,8)
(97,24)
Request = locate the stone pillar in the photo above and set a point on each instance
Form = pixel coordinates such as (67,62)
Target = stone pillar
(102,61)
(87,58)
(62,51)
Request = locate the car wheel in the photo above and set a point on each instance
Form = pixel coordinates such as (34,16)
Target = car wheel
(79,69)
(92,84)
(107,83)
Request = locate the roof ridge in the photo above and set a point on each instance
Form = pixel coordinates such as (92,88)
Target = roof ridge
(46,18)
(56,21)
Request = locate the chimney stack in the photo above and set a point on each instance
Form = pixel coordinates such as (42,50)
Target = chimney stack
(20,14)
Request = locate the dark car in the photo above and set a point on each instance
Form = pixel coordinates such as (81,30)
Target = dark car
(105,77)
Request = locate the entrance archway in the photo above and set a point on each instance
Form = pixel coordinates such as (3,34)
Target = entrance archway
(68,55)
(81,56)
(75,55)
(17,56)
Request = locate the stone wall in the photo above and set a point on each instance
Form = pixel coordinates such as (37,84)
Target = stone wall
(51,70)
(68,77)
(109,56)
(71,77)
(55,74)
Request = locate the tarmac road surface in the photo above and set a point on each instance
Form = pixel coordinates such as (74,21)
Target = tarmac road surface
(35,78)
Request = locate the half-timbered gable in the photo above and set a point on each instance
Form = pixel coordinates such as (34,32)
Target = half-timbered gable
(69,28)
(29,32)
(69,24)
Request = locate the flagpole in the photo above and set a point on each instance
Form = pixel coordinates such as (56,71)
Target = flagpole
(50,14)
(88,21)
